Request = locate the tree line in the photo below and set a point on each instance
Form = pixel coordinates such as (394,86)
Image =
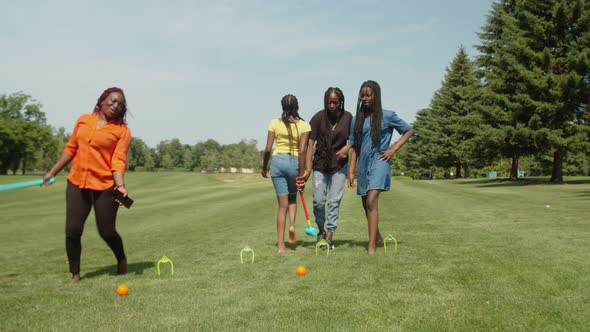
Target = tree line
(207,156)
(523,100)
(521,105)
(29,144)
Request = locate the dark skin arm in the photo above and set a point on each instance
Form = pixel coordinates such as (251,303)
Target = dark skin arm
(387,154)
(343,153)
(352,168)
(303,147)
(384,155)
(270,139)
(308,163)
(63,160)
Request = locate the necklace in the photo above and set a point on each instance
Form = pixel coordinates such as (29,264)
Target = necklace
(333,126)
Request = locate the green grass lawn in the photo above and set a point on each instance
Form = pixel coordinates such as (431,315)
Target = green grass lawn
(473,255)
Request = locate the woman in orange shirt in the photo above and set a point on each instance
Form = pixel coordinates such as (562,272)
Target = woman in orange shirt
(98,146)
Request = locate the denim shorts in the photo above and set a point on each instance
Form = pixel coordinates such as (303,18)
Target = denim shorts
(284,168)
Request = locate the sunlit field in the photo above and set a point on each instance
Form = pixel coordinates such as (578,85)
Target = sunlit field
(472,255)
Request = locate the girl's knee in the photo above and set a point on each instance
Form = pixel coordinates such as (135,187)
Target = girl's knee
(74,231)
(319,201)
(372,204)
(108,234)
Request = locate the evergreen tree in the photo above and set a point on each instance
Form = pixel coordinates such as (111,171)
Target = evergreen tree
(535,64)
(446,131)
(424,150)
(456,108)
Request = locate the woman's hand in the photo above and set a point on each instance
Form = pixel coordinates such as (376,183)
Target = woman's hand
(47,176)
(123,191)
(351,184)
(305,175)
(343,153)
(301,180)
(386,155)
(264,173)
(300,183)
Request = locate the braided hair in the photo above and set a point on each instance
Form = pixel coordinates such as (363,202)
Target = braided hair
(121,118)
(327,126)
(376,112)
(290,110)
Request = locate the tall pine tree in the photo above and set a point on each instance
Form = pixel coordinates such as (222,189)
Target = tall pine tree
(535,66)
(446,131)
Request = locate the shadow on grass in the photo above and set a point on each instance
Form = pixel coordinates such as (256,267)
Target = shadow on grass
(364,244)
(306,243)
(135,268)
(506,182)
(310,243)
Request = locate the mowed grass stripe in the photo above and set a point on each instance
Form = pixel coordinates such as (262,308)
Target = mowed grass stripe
(470,258)
(507,243)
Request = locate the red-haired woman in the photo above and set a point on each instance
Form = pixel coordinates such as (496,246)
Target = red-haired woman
(98,146)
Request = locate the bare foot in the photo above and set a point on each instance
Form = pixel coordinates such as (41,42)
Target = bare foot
(371,250)
(378,238)
(75,278)
(286,251)
(292,237)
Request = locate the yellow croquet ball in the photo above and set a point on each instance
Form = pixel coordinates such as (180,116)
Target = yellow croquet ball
(122,290)
(301,271)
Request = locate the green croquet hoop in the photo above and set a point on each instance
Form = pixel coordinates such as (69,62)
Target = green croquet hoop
(165,259)
(390,237)
(246,249)
(322,242)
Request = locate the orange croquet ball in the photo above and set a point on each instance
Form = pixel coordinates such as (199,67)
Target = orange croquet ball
(122,290)
(301,271)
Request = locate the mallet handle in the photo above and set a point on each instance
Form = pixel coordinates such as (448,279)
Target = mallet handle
(304,205)
(25,184)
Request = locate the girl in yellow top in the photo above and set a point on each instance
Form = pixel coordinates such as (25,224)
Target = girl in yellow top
(291,133)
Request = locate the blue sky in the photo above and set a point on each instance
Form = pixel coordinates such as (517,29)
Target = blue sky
(195,70)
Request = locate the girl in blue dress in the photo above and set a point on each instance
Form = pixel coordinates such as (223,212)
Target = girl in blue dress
(370,136)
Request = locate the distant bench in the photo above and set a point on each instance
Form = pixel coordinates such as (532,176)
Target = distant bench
(493,174)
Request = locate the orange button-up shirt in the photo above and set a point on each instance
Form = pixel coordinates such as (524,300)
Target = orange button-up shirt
(97,152)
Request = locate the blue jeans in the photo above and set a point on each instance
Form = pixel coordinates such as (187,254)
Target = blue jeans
(330,188)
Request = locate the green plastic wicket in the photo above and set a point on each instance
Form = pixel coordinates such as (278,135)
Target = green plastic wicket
(165,259)
(320,243)
(246,249)
(390,237)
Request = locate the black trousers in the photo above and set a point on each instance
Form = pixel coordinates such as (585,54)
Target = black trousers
(78,205)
